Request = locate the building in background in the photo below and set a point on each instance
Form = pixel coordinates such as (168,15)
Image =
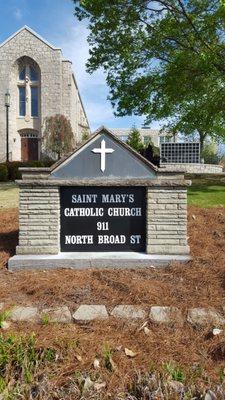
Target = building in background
(41,83)
(146,134)
(177,152)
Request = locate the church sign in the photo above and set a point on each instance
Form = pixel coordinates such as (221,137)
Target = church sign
(100,206)
(91,219)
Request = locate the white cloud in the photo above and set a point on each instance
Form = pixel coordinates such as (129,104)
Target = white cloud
(17,13)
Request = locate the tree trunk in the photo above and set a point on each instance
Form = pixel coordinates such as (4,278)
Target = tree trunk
(202,137)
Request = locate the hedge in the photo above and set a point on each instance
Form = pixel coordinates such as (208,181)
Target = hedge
(3,173)
(10,171)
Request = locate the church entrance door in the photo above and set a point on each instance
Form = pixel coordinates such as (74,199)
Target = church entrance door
(29,149)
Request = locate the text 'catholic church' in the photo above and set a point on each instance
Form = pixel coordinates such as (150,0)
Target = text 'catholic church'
(41,83)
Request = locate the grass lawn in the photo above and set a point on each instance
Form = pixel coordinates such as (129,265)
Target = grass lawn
(204,193)
(9,195)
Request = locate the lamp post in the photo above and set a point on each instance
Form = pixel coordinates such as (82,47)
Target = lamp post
(7,105)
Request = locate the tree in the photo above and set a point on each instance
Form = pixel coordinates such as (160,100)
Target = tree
(210,154)
(163,59)
(151,152)
(58,135)
(134,139)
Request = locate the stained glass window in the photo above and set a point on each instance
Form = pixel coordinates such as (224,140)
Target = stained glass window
(33,74)
(22,101)
(34,101)
(22,74)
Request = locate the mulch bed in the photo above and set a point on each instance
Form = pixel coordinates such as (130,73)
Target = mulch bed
(199,283)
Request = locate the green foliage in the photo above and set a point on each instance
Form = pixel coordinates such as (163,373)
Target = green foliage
(107,355)
(209,154)
(20,362)
(151,153)
(164,60)
(134,139)
(11,169)
(58,135)
(175,372)
(221,375)
(85,134)
(45,319)
(4,316)
(3,173)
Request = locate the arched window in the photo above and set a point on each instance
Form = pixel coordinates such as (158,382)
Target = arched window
(33,75)
(22,74)
(29,88)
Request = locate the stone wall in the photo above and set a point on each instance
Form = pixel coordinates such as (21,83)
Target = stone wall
(79,124)
(167,221)
(193,168)
(166,209)
(39,220)
(66,90)
(55,88)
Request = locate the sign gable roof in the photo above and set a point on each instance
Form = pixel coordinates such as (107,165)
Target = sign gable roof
(103,156)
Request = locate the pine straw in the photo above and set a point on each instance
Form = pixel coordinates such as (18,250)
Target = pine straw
(185,347)
(200,283)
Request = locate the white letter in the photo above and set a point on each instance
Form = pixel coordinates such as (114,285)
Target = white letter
(67,239)
(66,212)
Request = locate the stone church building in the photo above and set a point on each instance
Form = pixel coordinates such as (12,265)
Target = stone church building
(41,83)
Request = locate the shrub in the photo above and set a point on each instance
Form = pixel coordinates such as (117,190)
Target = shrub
(3,173)
(151,153)
(10,171)
(13,170)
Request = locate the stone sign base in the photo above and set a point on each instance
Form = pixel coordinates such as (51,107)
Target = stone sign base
(86,260)
(102,206)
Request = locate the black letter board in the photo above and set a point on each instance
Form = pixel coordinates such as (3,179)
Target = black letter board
(103,219)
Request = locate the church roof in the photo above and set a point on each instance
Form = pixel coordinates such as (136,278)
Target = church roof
(25,27)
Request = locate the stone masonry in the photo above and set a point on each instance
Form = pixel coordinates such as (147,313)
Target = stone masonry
(193,168)
(39,220)
(167,220)
(166,213)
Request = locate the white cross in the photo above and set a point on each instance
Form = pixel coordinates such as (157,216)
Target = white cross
(103,151)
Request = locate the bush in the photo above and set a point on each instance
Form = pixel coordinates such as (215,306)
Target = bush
(3,173)
(209,154)
(10,171)
(13,171)
(151,153)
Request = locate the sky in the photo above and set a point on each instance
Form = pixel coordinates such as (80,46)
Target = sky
(55,22)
